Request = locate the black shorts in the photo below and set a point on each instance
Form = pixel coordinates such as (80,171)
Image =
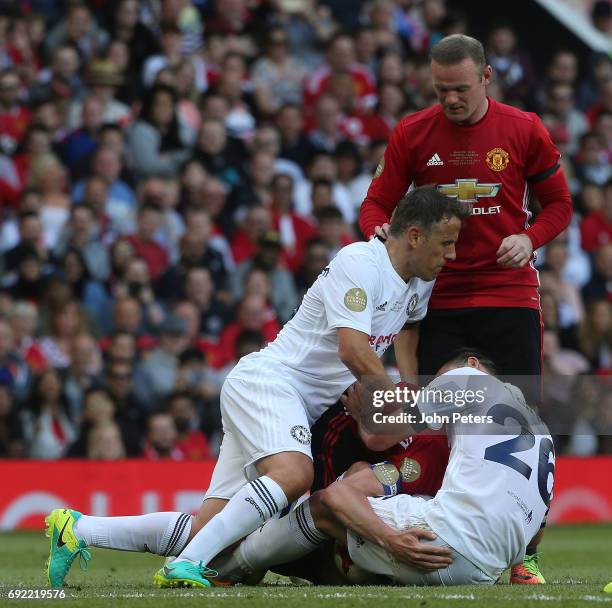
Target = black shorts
(512,337)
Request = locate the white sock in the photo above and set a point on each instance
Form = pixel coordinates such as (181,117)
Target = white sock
(278,541)
(281,540)
(250,507)
(162,533)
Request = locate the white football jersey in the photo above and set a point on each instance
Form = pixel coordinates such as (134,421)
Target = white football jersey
(359,289)
(498,483)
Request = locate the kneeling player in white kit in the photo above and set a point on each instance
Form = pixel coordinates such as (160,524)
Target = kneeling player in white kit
(493,500)
(348,318)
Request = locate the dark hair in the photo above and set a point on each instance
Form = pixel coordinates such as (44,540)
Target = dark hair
(279,176)
(179,394)
(322,181)
(425,206)
(328,213)
(249,337)
(462,354)
(171,139)
(457,47)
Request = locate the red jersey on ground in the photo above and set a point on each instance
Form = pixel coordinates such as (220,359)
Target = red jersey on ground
(491,164)
(421,461)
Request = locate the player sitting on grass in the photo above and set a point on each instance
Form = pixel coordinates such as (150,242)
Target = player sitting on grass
(492,502)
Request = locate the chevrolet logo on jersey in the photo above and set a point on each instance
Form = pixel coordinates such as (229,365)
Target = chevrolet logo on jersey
(469,190)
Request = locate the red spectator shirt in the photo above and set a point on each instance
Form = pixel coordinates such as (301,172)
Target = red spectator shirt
(490,164)
(595,231)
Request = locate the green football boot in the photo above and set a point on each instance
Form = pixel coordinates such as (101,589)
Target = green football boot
(64,545)
(527,573)
(183,574)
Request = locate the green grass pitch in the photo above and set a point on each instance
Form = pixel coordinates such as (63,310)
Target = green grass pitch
(577,562)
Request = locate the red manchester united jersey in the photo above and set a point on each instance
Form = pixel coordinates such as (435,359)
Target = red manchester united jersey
(490,165)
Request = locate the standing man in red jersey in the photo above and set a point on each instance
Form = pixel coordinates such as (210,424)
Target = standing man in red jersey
(493,157)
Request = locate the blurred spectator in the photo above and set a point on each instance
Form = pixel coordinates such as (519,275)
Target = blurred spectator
(67,320)
(61,80)
(156,375)
(196,249)
(24,322)
(512,66)
(30,282)
(144,243)
(561,105)
(251,315)
(158,139)
(30,239)
(277,76)
(47,428)
(203,385)
(162,438)
(104,442)
(595,335)
(80,29)
(92,295)
(601,15)
(82,373)
(600,285)
(120,203)
(119,381)
(81,235)
(14,371)
(82,141)
(97,409)
(102,78)
(350,172)
(294,231)
(317,257)
(128,28)
(332,229)
(14,116)
(322,166)
(591,160)
(11,432)
(122,347)
(257,222)
(191,441)
(596,227)
(295,144)
(340,57)
(200,291)
(571,310)
(268,259)
(219,154)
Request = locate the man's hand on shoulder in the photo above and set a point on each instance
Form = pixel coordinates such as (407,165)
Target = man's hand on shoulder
(515,251)
(381,231)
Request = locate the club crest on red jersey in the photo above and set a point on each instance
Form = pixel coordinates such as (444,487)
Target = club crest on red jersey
(497,159)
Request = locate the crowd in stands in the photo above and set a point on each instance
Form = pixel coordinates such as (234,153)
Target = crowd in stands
(175,174)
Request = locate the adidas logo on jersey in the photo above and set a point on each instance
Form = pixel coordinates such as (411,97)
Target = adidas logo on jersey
(435,161)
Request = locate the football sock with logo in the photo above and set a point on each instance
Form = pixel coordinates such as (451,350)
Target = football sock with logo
(280,541)
(163,533)
(250,507)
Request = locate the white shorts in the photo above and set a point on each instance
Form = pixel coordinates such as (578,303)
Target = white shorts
(262,415)
(401,512)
